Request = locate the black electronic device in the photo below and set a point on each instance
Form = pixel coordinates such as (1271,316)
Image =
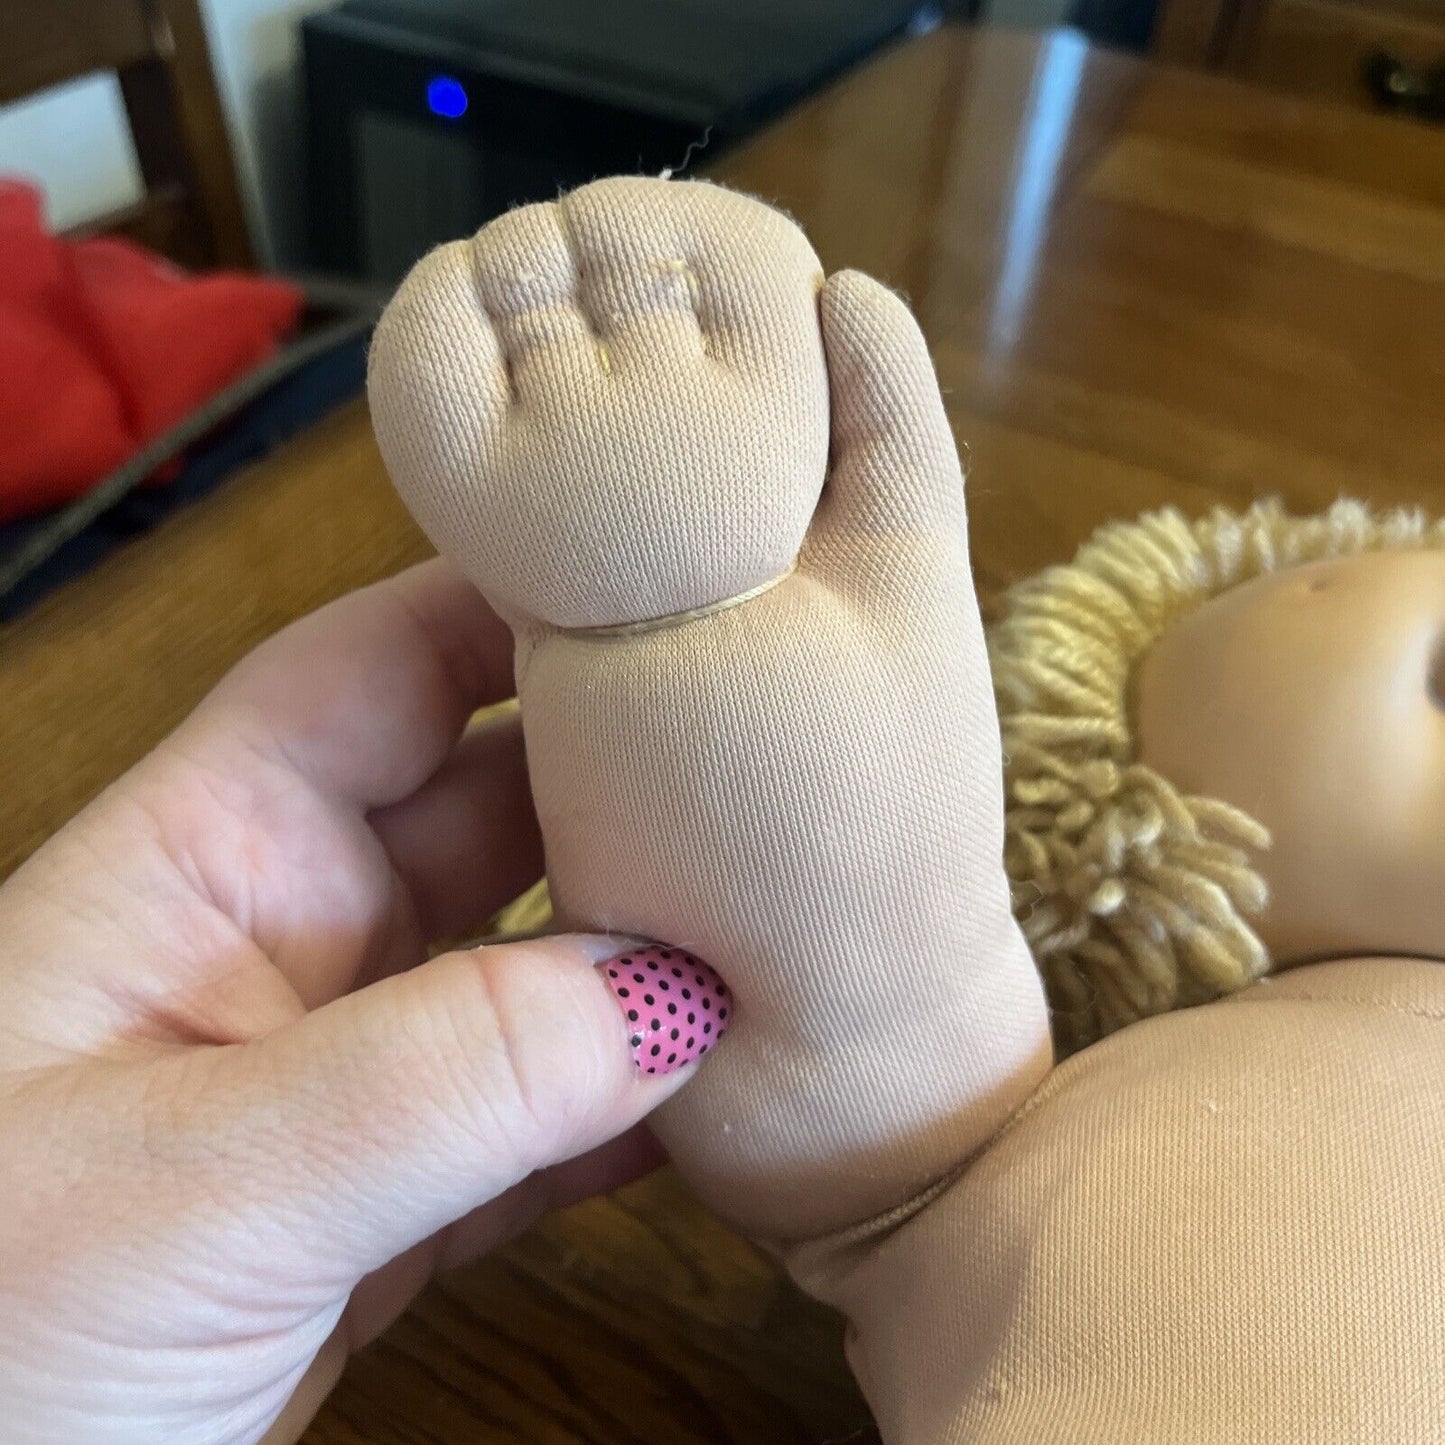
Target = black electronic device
(425,118)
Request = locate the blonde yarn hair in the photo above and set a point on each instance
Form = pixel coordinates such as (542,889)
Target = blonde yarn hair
(1135,898)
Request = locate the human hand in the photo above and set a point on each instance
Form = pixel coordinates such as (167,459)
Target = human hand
(242,1120)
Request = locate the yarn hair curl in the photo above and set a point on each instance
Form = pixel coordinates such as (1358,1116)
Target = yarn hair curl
(1134,897)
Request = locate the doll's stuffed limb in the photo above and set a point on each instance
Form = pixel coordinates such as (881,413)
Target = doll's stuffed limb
(1222,1225)
(719,500)
(1154,692)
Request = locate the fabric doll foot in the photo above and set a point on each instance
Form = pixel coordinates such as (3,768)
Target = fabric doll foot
(611,407)
(719,500)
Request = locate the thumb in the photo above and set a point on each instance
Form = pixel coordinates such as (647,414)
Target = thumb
(388,1114)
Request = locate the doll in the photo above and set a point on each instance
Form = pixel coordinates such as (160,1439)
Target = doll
(716,496)
(1155,735)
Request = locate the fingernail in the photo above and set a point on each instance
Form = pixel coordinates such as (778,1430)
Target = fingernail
(676,1007)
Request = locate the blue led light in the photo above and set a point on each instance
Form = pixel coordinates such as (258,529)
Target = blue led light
(446,97)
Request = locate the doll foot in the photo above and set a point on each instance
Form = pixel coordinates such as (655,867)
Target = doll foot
(615,407)
(719,499)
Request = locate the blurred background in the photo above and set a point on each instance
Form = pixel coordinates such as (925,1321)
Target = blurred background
(598,81)
(353,77)
(1165,252)
(325,146)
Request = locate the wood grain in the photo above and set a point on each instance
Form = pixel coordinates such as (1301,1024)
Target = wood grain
(100,671)
(1142,286)
(1311,47)
(181,137)
(624,1321)
(1194,32)
(45,43)
(190,208)
(1319,47)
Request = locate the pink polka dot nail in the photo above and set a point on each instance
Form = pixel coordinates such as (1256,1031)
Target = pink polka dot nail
(676,1007)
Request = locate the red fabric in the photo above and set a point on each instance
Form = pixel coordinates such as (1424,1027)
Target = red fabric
(104,346)
(61,423)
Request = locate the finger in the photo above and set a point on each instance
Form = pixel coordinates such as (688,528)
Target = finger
(310,1395)
(382,1118)
(894,463)
(601,1170)
(467,842)
(379,1300)
(365,698)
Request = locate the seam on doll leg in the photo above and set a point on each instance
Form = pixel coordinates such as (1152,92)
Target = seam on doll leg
(678,266)
(870,1231)
(479,295)
(675,619)
(584,304)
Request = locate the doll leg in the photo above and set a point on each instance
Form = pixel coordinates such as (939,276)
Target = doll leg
(1222,1224)
(719,500)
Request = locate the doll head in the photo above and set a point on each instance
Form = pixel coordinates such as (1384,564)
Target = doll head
(1224,751)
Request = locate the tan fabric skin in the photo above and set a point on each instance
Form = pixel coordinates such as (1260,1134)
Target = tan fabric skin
(626,410)
(801,789)
(1223,1225)
(1314,698)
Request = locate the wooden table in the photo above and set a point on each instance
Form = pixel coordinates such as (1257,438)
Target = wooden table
(1142,286)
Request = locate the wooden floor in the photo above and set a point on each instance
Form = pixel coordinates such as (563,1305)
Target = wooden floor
(1141,287)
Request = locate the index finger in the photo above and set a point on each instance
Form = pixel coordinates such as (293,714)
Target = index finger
(365,698)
